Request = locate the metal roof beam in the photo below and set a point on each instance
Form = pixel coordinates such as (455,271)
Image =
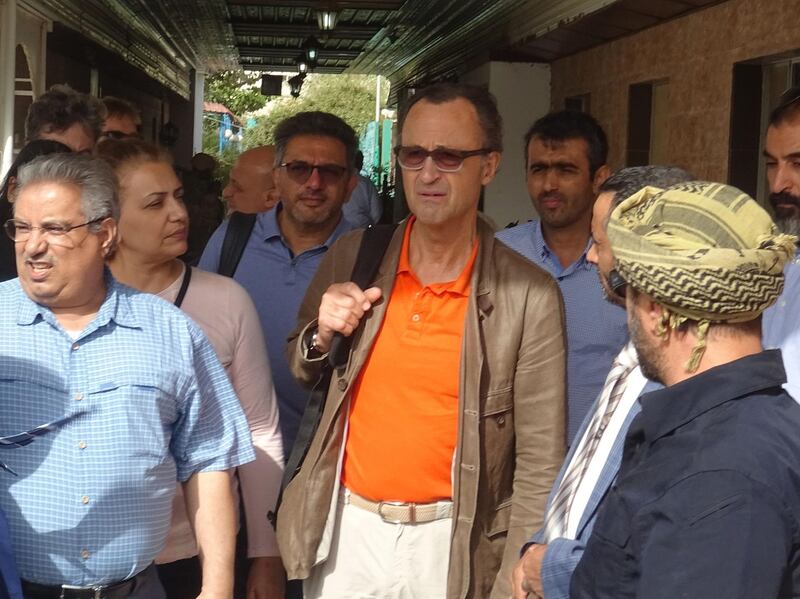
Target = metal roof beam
(339,5)
(248,27)
(278,52)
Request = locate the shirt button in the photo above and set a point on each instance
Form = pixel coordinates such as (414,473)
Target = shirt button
(85,554)
(341,384)
(78,396)
(501,420)
(75,346)
(415,318)
(85,499)
(82,445)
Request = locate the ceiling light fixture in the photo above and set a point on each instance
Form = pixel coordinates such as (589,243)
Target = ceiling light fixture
(326,19)
(296,84)
(311,48)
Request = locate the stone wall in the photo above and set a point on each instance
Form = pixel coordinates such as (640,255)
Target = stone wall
(696,54)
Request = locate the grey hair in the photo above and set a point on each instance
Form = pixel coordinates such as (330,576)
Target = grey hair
(627,181)
(95,179)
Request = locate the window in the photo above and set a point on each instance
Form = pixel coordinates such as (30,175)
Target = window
(647,124)
(578,103)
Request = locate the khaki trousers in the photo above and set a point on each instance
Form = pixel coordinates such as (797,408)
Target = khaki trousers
(373,559)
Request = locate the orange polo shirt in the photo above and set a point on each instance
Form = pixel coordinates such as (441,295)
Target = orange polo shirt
(404,407)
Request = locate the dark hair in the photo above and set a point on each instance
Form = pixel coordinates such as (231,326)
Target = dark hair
(627,181)
(61,107)
(788,106)
(319,123)
(571,124)
(33,149)
(478,95)
(122,108)
(118,153)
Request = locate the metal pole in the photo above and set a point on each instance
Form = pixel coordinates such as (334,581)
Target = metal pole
(378,99)
(199,92)
(8,48)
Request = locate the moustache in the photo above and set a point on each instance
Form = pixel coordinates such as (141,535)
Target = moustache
(784,197)
(551,196)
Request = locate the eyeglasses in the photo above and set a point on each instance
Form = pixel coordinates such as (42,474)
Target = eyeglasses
(300,171)
(446,160)
(56,233)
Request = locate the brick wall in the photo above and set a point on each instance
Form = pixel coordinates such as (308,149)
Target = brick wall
(696,54)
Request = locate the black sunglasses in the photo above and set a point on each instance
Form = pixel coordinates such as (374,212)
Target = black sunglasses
(300,171)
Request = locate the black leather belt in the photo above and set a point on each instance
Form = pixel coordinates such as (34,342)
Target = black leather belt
(117,590)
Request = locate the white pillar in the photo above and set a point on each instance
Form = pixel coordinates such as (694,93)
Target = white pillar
(199,93)
(8,47)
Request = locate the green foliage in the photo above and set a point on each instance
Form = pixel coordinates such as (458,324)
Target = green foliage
(237,90)
(350,97)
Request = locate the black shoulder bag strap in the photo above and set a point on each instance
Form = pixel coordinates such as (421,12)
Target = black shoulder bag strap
(240,225)
(370,255)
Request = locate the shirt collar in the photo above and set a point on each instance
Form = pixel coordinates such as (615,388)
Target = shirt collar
(115,306)
(667,409)
(460,286)
(268,223)
(540,246)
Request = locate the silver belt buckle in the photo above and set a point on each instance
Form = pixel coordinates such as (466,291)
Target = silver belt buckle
(98,591)
(412,511)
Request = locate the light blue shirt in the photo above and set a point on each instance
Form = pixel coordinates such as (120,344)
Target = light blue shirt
(276,280)
(364,207)
(781,326)
(93,500)
(596,328)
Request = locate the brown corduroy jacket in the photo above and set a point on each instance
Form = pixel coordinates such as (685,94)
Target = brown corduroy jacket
(512,414)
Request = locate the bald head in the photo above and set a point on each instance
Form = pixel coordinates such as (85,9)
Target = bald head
(251,188)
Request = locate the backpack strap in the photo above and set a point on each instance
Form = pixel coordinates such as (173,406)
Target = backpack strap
(370,255)
(240,226)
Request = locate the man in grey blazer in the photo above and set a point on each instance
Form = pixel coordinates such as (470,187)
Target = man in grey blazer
(551,555)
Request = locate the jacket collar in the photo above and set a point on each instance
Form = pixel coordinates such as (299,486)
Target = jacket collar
(667,409)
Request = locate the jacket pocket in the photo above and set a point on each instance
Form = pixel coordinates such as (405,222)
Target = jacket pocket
(499,521)
(613,527)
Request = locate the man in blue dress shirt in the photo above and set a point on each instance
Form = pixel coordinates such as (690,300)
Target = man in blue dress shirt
(315,157)
(566,164)
(550,556)
(90,506)
(782,150)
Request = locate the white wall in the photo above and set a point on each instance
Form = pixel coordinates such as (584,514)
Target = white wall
(523,95)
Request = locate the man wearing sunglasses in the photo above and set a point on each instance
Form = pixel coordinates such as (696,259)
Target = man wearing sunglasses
(122,119)
(314,173)
(565,155)
(440,440)
(707,500)
(591,465)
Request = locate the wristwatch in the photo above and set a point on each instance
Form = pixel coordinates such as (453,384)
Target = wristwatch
(312,351)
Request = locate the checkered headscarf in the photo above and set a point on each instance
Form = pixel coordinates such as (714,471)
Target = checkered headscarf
(705,251)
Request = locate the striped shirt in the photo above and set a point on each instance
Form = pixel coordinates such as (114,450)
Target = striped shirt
(596,329)
(92,502)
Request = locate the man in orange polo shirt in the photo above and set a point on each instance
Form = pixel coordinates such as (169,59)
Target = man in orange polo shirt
(441,438)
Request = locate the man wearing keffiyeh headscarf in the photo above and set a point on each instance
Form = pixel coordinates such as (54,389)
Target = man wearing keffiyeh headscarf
(707,495)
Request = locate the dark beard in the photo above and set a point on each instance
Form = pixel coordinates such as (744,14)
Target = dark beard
(785,205)
(649,358)
(789,226)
